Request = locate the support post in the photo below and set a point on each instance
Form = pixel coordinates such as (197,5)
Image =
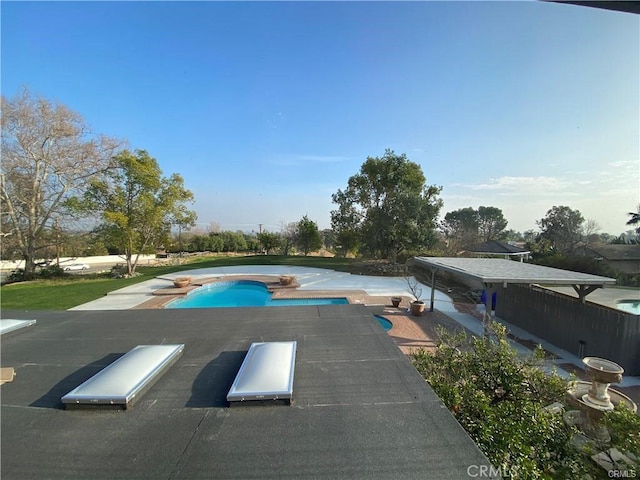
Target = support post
(584,290)
(433,288)
(489,290)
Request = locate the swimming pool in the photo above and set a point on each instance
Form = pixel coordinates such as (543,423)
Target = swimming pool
(629,306)
(243,293)
(384,323)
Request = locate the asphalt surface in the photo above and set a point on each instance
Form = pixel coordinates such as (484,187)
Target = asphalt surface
(360,409)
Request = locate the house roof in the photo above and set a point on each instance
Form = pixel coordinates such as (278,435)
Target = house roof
(616,252)
(495,247)
(360,409)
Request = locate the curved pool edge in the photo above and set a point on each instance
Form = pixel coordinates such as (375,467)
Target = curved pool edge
(312,281)
(245,292)
(384,322)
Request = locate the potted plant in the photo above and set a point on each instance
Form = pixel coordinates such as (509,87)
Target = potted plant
(417,305)
(181,282)
(395,301)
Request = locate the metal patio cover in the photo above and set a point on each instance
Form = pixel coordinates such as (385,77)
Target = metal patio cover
(495,271)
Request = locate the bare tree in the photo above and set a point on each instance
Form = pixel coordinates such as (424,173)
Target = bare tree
(288,235)
(49,155)
(590,232)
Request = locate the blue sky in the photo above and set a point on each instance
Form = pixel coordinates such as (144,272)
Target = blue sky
(266,109)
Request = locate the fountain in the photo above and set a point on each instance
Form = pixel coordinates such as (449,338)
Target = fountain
(602,374)
(594,398)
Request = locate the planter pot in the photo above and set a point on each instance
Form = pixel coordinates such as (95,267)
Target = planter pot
(182,282)
(286,279)
(395,301)
(417,308)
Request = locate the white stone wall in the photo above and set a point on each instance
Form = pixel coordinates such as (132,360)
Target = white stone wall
(101,259)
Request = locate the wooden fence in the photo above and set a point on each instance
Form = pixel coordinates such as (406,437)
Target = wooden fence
(585,329)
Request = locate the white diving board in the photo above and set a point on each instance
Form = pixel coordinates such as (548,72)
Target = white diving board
(11,325)
(123,382)
(266,373)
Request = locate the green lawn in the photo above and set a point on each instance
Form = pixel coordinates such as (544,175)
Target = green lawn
(62,294)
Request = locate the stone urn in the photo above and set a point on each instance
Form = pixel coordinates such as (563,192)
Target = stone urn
(602,373)
(181,282)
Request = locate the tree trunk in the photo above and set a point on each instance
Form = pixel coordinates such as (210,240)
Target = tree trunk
(129,264)
(29,255)
(29,267)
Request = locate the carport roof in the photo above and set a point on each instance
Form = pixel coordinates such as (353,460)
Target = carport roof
(497,270)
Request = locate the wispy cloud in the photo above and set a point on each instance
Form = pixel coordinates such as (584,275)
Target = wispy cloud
(521,185)
(623,163)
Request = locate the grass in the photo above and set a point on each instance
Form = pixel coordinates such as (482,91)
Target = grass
(65,293)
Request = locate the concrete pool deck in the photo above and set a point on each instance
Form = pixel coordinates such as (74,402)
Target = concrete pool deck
(408,332)
(309,280)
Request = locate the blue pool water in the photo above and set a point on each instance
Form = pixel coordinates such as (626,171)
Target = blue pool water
(242,293)
(629,306)
(384,323)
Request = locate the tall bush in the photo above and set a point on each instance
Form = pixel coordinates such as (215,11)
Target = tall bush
(499,400)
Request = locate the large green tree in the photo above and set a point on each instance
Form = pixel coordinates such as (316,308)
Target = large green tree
(233,241)
(460,228)
(387,207)
(268,241)
(562,229)
(137,205)
(308,237)
(467,226)
(49,155)
(491,223)
(345,223)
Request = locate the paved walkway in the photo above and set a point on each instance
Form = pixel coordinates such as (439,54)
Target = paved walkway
(408,332)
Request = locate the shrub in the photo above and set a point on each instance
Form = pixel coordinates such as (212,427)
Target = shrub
(16,275)
(499,400)
(119,271)
(624,426)
(51,271)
